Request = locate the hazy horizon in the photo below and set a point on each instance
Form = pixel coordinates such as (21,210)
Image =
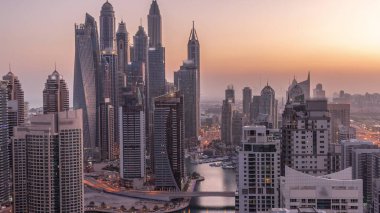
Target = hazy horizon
(244,43)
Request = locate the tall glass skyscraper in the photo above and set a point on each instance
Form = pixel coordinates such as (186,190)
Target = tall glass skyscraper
(86,68)
(193,53)
(185,80)
(4,141)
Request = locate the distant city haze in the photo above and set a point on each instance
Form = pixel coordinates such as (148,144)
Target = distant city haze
(243,42)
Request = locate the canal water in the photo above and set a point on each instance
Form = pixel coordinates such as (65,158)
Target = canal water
(216,179)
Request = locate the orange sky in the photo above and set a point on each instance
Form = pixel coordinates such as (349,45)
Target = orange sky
(243,42)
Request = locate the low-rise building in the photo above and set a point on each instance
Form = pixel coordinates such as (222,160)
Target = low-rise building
(333,193)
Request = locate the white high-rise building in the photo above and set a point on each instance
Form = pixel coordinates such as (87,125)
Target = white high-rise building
(259,170)
(48,157)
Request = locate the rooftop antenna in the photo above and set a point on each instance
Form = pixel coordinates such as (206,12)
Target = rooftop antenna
(10,68)
(55,66)
(140,21)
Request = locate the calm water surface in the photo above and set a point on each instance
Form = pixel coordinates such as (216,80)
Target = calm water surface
(216,179)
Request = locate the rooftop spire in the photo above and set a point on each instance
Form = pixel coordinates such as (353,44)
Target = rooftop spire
(193,33)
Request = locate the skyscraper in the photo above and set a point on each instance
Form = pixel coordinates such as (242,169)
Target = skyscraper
(156,72)
(15,92)
(348,146)
(228,108)
(299,91)
(156,54)
(87,64)
(111,87)
(340,115)
(155,86)
(259,170)
(193,53)
(247,99)
(122,47)
(154,25)
(255,108)
(318,92)
(155,75)
(268,106)
(168,142)
(16,107)
(306,137)
(139,51)
(237,125)
(55,94)
(365,166)
(132,135)
(107,27)
(4,145)
(185,80)
(229,94)
(193,49)
(106,131)
(48,155)
(264,108)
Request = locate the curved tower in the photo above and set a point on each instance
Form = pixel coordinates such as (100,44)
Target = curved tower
(86,68)
(107,27)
